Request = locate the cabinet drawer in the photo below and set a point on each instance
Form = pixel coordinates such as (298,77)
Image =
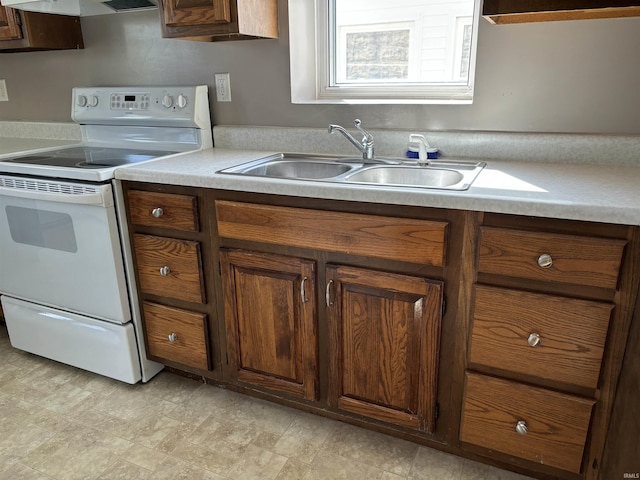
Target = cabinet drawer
(573,259)
(166,210)
(567,335)
(401,239)
(556,423)
(169,267)
(176,335)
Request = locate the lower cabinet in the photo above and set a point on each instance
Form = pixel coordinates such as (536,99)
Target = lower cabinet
(384,338)
(338,308)
(177,335)
(540,425)
(271,323)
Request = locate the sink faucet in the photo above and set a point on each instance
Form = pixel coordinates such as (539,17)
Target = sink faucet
(365,145)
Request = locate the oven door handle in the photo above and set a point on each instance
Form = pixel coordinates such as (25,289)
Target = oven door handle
(88,198)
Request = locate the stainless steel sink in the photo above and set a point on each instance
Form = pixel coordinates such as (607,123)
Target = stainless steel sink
(407,176)
(444,175)
(303,169)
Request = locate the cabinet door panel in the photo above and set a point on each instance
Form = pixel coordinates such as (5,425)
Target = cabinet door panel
(9,28)
(196,12)
(269,303)
(384,342)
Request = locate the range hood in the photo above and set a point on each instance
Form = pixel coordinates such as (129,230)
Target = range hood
(80,8)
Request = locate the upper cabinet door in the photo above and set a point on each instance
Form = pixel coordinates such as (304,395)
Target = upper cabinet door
(9,28)
(196,12)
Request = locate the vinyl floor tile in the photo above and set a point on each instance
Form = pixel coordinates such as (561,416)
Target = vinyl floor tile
(61,423)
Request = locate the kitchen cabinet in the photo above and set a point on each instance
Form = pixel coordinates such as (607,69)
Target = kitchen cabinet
(384,338)
(170,245)
(383,327)
(216,20)
(271,321)
(491,336)
(523,11)
(546,297)
(30,31)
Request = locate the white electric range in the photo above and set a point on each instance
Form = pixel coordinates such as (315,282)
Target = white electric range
(66,275)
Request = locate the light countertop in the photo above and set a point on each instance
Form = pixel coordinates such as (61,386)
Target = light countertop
(600,193)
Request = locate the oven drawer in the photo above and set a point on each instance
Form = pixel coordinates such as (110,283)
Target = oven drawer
(176,335)
(551,257)
(165,210)
(543,336)
(169,267)
(535,424)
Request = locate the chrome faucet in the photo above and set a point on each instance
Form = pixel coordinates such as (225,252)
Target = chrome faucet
(365,145)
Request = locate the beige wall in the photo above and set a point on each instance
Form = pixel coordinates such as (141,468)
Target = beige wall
(579,76)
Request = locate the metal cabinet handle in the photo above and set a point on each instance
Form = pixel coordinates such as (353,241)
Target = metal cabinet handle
(545,260)
(521,427)
(157,212)
(172,338)
(302,292)
(534,340)
(164,271)
(327,294)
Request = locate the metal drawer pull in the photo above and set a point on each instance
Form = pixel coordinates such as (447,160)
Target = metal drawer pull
(164,271)
(157,212)
(534,340)
(545,260)
(327,294)
(173,338)
(302,292)
(521,427)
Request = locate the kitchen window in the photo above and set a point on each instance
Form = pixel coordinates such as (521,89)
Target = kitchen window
(376,51)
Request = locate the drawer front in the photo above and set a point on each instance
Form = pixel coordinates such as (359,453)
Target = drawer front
(553,338)
(401,239)
(166,210)
(169,267)
(573,259)
(176,335)
(556,424)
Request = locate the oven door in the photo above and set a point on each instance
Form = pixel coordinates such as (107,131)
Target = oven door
(60,246)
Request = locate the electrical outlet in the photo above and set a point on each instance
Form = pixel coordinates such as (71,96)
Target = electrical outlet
(4,96)
(223,87)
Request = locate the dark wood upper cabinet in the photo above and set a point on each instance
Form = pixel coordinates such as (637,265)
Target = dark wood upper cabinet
(216,20)
(32,31)
(524,11)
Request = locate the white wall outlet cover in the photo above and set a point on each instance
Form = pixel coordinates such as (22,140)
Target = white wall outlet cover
(223,87)
(4,96)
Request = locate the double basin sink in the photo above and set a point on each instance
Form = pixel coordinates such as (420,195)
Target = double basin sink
(439,174)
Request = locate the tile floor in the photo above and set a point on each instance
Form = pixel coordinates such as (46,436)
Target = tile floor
(60,423)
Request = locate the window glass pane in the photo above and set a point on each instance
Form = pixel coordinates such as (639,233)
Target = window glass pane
(380,42)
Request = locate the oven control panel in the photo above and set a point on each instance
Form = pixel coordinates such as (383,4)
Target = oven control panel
(144,106)
(133,101)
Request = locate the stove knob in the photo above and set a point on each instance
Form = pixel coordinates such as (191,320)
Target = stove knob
(182,101)
(93,101)
(81,100)
(167,101)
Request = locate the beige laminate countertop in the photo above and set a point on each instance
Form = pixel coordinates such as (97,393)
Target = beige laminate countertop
(600,193)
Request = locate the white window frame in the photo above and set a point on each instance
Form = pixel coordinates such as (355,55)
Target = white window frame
(311,73)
